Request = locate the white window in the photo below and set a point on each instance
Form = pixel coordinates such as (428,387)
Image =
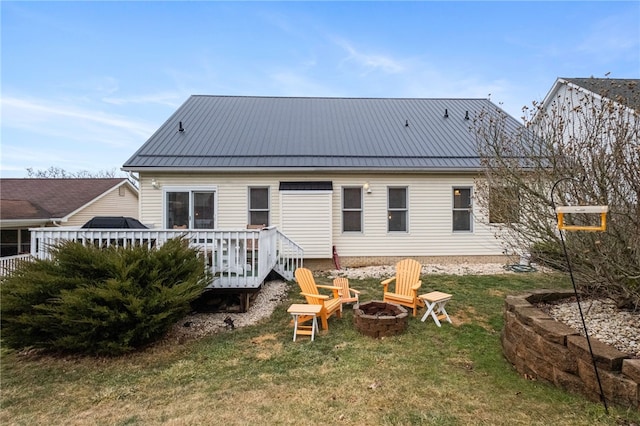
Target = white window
(397,210)
(352,209)
(193,209)
(259,206)
(462,209)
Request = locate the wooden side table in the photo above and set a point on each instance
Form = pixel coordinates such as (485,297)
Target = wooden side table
(302,313)
(435,302)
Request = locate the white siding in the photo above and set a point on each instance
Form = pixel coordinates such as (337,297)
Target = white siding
(429,223)
(306,219)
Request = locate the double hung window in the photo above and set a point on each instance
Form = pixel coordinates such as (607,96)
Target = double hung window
(352,209)
(259,206)
(504,204)
(462,209)
(397,209)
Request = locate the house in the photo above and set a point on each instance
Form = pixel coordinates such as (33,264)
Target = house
(624,92)
(369,180)
(31,203)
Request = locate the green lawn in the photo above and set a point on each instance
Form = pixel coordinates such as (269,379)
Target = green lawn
(454,375)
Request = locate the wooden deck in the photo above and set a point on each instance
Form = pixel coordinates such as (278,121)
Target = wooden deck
(238,259)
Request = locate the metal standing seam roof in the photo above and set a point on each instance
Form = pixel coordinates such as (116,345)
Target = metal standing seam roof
(235,132)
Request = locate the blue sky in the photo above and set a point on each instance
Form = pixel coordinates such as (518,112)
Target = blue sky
(84,84)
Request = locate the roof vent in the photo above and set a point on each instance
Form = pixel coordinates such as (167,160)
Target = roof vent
(180,128)
(446,113)
(406,123)
(466,115)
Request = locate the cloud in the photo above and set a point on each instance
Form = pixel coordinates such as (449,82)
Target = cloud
(370,62)
(46,117)
(171,99)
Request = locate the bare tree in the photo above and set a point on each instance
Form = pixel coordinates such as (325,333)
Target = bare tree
(589,146)
(60,173)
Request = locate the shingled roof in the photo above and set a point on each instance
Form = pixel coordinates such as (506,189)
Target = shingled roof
(287,133)
(625,91)
(50,199)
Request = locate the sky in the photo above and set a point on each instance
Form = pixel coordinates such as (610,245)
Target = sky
(85,84)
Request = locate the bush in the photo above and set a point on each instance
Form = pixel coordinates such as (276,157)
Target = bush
(100,301)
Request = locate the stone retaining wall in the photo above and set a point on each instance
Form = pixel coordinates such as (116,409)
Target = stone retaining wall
(545,349)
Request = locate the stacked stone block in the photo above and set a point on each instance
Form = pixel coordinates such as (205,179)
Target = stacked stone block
(380,319)
(542,348)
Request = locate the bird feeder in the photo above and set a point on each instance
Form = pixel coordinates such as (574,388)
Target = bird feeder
(601,210)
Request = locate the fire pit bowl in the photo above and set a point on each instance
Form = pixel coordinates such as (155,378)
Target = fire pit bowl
(380,319)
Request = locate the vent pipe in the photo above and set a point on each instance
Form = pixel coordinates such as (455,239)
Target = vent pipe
(180,128)
(446,113)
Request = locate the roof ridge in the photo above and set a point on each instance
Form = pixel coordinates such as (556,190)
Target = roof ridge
(339,97)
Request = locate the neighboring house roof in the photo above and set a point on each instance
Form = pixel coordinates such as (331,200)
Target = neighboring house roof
(625,91)
(240,132)
(41,200)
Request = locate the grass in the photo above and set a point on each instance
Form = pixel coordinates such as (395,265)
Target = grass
(454,375)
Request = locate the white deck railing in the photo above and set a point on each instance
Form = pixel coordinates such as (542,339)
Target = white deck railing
(8,264)
(238,258)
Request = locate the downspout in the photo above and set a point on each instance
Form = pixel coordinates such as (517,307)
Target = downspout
(134,179)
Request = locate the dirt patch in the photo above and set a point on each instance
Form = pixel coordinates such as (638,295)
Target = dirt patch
(468,315)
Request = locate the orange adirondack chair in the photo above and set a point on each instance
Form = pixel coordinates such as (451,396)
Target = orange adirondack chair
(407,284)
(347,294)
(330,305)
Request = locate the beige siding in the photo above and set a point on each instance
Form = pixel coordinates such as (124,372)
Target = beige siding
(306,219)
(110,204)
(430,211)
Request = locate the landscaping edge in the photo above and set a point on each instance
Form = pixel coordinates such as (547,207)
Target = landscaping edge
(541,348)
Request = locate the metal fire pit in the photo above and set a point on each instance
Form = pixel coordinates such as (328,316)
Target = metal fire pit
(380,319)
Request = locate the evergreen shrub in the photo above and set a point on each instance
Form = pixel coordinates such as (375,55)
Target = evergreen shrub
(100,301)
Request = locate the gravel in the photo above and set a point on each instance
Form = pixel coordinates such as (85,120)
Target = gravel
(605,322)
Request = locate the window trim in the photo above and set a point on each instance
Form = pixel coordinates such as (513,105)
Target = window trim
(191,190)
(343,209)
(467,209)
(250,210)
(396,209)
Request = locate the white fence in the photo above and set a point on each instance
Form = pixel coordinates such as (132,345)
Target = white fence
(237,258)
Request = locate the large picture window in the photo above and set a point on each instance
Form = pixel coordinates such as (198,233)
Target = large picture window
(397,210)
(259,206)
(190,209)
(462,209)
(352,209)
